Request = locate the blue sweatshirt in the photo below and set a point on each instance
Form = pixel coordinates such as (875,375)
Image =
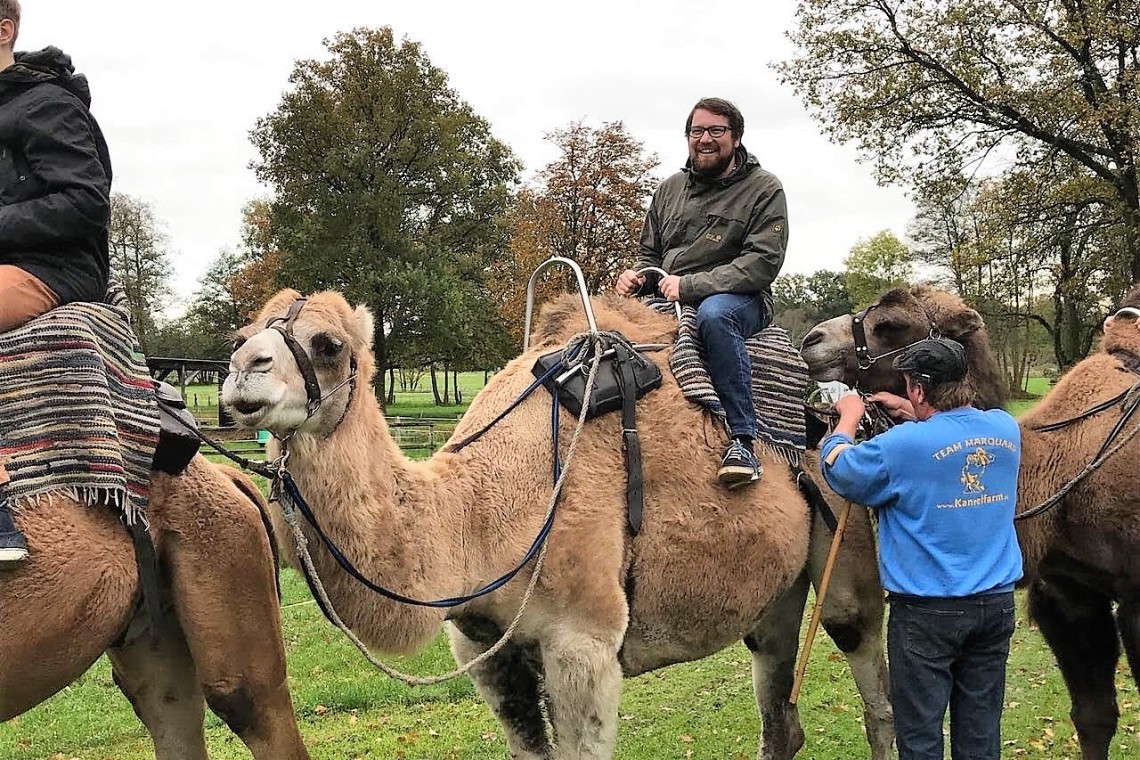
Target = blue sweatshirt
(946,491)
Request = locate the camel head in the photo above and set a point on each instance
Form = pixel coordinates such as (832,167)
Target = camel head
(901,317)
(266,386)
(1122,329)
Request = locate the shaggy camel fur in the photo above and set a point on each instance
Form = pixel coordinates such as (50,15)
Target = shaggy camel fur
(220,644)
(1080,557)
(710,567)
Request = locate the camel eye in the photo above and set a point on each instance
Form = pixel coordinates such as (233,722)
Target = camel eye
(238,343)
(887,327)
(326,347)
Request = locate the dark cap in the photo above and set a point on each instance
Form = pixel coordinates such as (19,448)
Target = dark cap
(936,360)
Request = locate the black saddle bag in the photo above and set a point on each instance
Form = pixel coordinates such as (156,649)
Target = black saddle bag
(177,439)
(575,361)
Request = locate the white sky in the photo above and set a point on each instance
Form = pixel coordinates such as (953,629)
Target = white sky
(178,86)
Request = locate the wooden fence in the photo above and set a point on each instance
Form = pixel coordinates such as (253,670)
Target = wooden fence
(422,435)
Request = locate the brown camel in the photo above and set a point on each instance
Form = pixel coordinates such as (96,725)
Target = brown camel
(220,642)
(710,566)
(1080,557)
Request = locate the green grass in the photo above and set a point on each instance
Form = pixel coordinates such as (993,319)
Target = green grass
(1035,388)
(696,710)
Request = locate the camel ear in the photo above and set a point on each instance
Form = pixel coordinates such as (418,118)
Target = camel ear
(363,324)
(962,323)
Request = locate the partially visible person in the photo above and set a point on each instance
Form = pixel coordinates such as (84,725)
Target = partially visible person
(55,185)
(945,487)
(719,228)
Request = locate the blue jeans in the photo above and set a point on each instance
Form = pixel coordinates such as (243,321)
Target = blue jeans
(949,652)
(724,320)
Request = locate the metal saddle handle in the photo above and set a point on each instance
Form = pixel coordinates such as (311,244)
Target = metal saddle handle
(663,273)
(583,291)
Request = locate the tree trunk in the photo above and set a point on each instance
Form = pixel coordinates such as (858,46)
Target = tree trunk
(380,348)
(455,384)
(434,385)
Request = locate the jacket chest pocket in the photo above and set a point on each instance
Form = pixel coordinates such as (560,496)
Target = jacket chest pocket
(723,231)
(14,177)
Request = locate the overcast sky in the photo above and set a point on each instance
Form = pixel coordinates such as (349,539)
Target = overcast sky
(177,88)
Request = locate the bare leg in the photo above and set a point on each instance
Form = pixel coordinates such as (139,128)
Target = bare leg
(222,585)
(157,676)
(1077,625)
(508,683)
(773,644)
(583,678)
(64,606)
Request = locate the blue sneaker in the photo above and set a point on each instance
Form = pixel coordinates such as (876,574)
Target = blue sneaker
(13,548)
(739,467)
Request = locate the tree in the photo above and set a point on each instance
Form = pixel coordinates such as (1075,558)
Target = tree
(387,186)
(1007,242)
(588,205)
(928,88)
(874,265)
(140,262)
(803,301)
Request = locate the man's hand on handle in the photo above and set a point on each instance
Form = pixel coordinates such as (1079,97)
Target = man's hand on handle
(670,287)
(629,282)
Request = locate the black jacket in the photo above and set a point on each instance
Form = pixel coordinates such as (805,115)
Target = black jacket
(55,177)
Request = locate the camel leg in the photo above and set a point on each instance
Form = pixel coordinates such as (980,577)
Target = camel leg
(62,608)
(773,644)
(157,676)
(583,678)
(852,615)
(225,599)
(1078,626)
(1128,623)
(508,683)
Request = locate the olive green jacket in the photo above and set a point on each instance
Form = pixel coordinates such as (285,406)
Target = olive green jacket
(720,236)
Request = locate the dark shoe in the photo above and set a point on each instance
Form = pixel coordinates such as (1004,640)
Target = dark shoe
(739,466)
(13,549)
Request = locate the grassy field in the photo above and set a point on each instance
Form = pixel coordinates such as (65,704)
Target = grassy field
(698,710)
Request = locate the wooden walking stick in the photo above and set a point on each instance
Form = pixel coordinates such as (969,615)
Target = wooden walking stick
(820,596)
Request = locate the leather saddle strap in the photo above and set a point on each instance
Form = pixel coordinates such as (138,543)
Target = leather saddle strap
(630,443)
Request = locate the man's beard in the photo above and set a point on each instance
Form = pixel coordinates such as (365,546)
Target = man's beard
(713,170)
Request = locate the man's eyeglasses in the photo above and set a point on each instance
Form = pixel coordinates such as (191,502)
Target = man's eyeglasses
(716,131)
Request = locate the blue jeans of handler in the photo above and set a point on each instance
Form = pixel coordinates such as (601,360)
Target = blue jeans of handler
(724,321)
(949,653)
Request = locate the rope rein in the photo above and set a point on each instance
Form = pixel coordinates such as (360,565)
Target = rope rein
(301,545)
(1103,454)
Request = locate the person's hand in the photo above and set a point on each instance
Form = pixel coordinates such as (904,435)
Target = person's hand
(850,406)
(628,282)
(670,287)
(897,407)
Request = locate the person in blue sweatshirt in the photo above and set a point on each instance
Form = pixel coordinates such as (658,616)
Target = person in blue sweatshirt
(944,484)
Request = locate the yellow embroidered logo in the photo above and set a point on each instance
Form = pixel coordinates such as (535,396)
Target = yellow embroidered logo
(777,228)
(713,237)
(974,468)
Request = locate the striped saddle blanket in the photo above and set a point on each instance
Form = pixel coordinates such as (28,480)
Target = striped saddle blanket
(78,414)
(779,381)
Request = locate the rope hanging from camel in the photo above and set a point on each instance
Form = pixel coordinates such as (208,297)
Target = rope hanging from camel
(301,543)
